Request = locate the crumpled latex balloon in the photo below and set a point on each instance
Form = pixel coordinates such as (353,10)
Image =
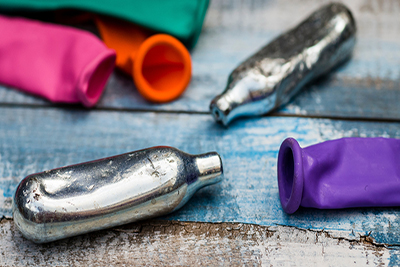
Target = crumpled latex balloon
(59,63)
(343,173)
(159,64)
(182,19)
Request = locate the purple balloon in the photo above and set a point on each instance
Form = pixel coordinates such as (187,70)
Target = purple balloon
(343,173)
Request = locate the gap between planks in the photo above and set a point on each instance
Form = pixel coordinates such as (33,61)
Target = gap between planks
(275,113)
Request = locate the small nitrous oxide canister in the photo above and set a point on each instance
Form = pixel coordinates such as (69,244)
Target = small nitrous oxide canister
(273,75)
(95,195)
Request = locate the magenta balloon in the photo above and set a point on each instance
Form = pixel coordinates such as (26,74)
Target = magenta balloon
(56,62)
(343,173)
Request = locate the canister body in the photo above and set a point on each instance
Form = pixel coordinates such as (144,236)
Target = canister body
(112,191)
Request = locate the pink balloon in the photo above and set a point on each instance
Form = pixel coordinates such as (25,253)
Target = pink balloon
(60,63)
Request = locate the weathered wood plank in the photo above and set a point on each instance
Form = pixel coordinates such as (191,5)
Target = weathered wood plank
(367,86)
(166,243)
(38,139)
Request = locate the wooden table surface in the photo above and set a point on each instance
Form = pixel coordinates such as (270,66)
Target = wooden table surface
(239,221)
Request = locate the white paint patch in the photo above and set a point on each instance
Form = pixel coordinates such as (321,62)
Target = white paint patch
(298,110)
(193,244)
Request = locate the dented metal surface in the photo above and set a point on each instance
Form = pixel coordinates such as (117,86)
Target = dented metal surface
(272,76)
(112,191)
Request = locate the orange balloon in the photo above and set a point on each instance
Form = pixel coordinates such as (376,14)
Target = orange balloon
(159,64)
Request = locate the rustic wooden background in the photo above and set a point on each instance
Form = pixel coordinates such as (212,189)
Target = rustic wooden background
(239,221)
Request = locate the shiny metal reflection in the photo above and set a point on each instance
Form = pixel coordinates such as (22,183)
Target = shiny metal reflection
(272,76)
(112,191)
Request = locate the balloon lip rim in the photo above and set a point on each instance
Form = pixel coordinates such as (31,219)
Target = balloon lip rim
(291,204)
(105,60)
(143,86)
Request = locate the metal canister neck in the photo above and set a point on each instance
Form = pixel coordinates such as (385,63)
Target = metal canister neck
(210,168)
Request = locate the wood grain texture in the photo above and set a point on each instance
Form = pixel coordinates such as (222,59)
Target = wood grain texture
(367,86)
(166,243)
(239,221)
(34,140)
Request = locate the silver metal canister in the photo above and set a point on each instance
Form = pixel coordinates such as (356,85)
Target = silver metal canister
(272,76)
(90,196)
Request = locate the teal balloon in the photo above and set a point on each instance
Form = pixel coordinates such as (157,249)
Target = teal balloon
(180,18)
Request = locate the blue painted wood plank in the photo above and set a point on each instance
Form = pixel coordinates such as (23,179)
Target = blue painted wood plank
(367,86)
(33,140)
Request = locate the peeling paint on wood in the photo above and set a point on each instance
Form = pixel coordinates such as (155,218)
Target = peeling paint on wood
(51,138)
(166,243)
